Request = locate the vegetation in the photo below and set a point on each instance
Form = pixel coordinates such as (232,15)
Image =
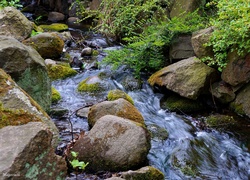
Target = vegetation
(13,3)
(76,164)
(232,33)
(55,95)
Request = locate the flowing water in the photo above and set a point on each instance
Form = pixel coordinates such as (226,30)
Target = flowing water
(188,153)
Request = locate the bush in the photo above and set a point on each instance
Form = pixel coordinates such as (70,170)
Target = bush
(232,31)
(13,3)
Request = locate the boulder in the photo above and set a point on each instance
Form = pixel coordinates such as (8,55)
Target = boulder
(145,173)
(14,24)
(27,69)
(119,107)
(14,99)
(181,7)
(189,78)
(54,27)
(199,38)
(181,48)
(237,71)
(113,144)
(48,45)
(117,94)
(241,104)
(56,16)
(57,71)
(26,153)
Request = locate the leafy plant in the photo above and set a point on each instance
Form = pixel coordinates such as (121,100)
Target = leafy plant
(13,3)
(231,33)
(76,164)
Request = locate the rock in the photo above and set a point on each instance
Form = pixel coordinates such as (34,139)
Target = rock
(13,98)
(86,52)
(116,94)
(181,7)
(55,96)
(14,24)
(56,16)
(115,178)
(198,40)
(83,112)
(60,71)
(144,173)
(76,63)
(119,107)
(54,27)
(27,69)
(73,22)
(223,92)
(220,121)
(26,153)
(237,71)
(157,132)
(181,48)
(48,45)
(241,104)
(181,104)
(189,78)
(114,144)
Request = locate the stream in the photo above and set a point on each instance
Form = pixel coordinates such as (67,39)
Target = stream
(189,152)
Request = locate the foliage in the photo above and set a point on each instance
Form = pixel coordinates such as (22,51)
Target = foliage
(76,164)
(12,3)
(146,52)
(231,33)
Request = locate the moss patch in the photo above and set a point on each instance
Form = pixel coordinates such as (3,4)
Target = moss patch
(54,27)
(84,86)
(116,94)
(60,72)
(55,95)
(220,121)
(9,117)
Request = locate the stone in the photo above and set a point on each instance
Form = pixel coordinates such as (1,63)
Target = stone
(27,68)
(48,45)
(14,24)
(199,38)
(58,71)
(181,48)
(113,144)
(117,94)
(189,78)
(145,173)
(56,16)
(86,52)
(54,27)
(119,107)
(237,71)
(26,153)
(13,98)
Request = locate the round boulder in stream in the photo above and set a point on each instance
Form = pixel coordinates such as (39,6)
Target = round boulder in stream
(114,144)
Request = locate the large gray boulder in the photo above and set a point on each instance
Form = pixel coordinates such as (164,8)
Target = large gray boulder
(26,153)
(113,144)
(119,107)
(27,69)
(21,106)
(14,24)
(199,39)
(237,71)
(189,78)
(181,48)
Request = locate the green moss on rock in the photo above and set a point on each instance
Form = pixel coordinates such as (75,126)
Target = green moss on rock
(116,94)
(86,86)
(178,103)
(60,72)
(220,121)
(55,95)
(55,27)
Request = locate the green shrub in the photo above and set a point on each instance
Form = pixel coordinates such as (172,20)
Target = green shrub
(232,31)
(13,3)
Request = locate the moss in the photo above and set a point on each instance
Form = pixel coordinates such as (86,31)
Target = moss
(237,108)
(9,117)
(116,94)
(220,121)
(95,53)
(55,95)
(60,72)
(54,27)
(92,87)
(178,103)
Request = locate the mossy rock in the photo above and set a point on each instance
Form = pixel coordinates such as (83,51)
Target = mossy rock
(116,94)
(237,108)
(220,121)
(178,103)
(55,96)
(60,72)
(10,117)
(54,27)
(158,132)
(90,84)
